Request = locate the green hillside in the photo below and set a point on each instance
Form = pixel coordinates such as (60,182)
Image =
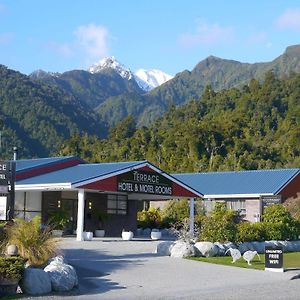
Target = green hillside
(188,85)
(37,117)
(257,126)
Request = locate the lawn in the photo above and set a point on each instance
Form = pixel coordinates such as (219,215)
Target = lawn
(290,261)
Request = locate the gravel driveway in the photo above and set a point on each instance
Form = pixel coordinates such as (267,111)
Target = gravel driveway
(114,269)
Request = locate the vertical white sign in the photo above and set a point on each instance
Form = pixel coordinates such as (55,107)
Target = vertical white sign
(3,203)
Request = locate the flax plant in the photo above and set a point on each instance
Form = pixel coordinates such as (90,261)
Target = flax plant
(35,244)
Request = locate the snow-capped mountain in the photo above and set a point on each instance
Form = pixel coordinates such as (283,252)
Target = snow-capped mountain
(150,79)
(111,63)
(146,79)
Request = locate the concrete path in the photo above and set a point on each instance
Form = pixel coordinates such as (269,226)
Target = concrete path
(114,269)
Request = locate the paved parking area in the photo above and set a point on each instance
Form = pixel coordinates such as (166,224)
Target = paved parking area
(114,269)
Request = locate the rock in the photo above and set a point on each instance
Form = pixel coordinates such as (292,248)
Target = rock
(35,282)
(63,276)
(207,249)
(12,250)
(58,259)
(146,232)
(259,247)
(164,248)
(221,249)
(229,245)
(183,249)
(246,246)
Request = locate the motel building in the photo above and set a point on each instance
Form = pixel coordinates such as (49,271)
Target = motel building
(248,192)
(82,190)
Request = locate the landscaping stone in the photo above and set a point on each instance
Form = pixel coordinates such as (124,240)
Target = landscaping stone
(164,248)
(207,249)
(229,245)
(35,282)
(221,249)
(259,247)
(63,276)
(246,246)
(183,249)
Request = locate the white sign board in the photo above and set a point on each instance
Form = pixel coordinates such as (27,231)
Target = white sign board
(3,203)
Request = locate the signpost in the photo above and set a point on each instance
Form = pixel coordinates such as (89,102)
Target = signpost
(274,259)
(145,183)
(7,189)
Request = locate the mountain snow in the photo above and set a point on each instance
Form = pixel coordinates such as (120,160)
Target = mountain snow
(111,63)
(146,79)
(150,79)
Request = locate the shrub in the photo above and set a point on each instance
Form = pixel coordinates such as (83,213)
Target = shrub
(3,237)
(220,226)
(279,224)
(150,218)
(175,211)
(11,268)
(248,232)
(34,244)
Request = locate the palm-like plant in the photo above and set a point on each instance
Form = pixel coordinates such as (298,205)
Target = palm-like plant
(35,244)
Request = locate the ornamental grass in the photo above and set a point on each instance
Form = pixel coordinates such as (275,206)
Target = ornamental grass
(35,244)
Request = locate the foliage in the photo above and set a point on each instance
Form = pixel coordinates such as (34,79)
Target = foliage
(34,244)
(150,218)
(58,219)
(175,211)
(182,230)
(255,127)
(3,237)
(38,117)
(11,268)
(279,224)
(102,217)
(293,206)
(220,226)
(249,232)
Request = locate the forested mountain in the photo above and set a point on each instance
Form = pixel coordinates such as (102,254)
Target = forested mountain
(257,126)
(91,88)
(37,117)
(188,85)
(115,97)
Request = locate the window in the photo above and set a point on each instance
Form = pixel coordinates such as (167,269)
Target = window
(237,205)
(117,204)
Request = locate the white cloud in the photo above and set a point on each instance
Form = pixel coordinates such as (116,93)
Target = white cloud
(207,34)
(290,19)
(93,41)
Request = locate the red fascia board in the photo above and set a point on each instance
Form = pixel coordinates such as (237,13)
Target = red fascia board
(39,170)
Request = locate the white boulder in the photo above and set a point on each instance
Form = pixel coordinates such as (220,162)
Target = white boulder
(182,249)
(207,249)
(63,276)
(35,282)
(164,248)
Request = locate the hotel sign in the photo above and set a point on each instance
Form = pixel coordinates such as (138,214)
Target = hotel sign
(7,189)
(274,258)
(143,182)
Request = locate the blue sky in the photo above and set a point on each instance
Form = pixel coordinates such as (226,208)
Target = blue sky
(171,35)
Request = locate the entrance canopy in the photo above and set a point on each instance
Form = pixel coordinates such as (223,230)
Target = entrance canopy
(140,179)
